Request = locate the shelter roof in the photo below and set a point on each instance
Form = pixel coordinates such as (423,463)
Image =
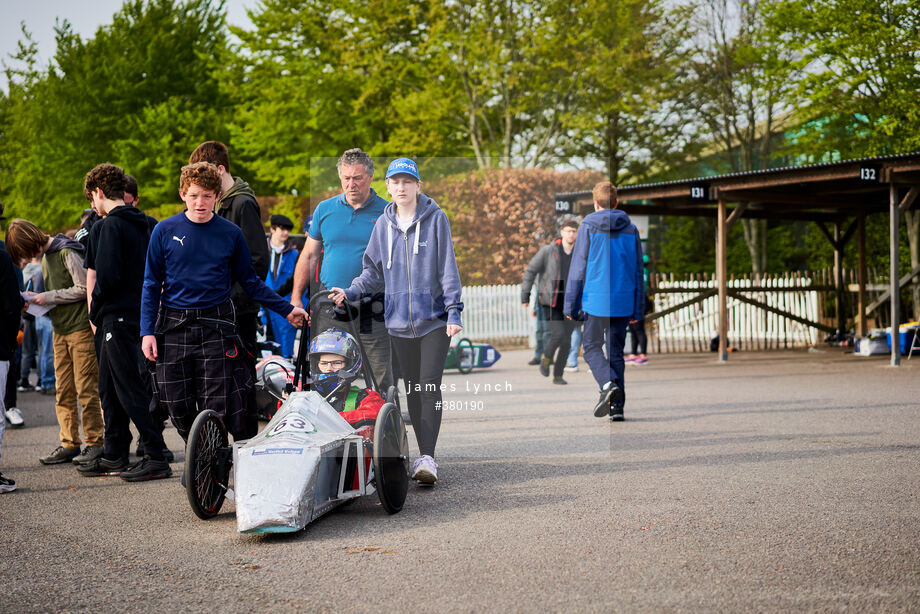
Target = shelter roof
(814,192)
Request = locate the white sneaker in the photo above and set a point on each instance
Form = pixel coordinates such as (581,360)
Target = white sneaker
(572,369)
(14,418)
(425,470)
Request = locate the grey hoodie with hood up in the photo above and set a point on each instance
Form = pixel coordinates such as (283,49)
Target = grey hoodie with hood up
(416,270)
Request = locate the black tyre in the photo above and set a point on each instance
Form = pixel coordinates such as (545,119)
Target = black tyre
(393,396)
(391,458)
(207,465)
(464,356)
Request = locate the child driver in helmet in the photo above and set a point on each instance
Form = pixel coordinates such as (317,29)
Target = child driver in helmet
(335,362)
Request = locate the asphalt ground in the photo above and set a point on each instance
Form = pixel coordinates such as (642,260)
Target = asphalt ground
(777,482)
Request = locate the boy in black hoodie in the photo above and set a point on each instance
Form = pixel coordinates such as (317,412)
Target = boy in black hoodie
(117,254)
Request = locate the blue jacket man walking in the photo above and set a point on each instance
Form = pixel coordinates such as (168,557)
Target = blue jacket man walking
(605,284)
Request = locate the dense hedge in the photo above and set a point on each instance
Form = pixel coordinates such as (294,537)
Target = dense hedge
(500,217)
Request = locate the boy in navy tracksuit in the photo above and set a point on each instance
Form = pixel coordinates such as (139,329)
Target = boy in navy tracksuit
(605,283)
(188,322)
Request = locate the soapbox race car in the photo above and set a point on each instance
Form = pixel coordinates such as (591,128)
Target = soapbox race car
(305,462)
(465,355)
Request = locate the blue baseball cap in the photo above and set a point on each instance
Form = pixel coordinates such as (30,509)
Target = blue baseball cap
(403,166)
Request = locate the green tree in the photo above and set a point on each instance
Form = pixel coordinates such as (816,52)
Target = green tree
(625,58)
(743,85)
(314,78)
(140,93)
(863,76)
(861,89)
(489,80)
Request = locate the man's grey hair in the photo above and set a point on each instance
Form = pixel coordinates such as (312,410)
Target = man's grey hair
(356,156)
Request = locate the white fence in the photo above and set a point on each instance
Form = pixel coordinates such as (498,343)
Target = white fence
(692,328)
(495,312)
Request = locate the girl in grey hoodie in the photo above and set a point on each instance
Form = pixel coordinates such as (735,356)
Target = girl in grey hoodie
(410,256)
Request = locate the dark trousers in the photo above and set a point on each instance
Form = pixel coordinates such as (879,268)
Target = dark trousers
(541,334)
(639,343)
(200,367)
(29,351)
(157,411)
(560,338)
(605,333)
(421,361)
(124,396)
(247,326)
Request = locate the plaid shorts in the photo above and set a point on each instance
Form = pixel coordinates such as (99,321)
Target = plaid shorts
(201,365)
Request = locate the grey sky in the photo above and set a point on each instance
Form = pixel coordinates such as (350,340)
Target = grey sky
(84,15)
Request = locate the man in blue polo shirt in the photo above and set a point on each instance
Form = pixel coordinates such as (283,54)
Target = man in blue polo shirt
(339,233)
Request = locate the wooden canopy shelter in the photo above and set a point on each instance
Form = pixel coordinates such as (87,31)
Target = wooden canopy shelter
(836,196)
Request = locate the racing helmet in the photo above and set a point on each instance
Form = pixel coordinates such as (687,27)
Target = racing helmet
(340,343)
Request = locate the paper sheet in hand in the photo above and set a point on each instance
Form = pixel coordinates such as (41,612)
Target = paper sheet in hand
(36,310)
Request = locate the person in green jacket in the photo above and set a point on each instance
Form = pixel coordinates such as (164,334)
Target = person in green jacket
(74,352)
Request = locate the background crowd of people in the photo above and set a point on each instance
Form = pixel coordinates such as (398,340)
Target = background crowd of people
(148,319)
(592,275)
(152,319)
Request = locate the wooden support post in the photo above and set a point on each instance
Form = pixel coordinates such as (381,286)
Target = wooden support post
(894,224)
(722,272)
(861,327)
(909,199)
(838,281)
(737,212)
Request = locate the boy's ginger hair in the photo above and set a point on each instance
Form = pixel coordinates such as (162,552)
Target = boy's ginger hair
(202,174)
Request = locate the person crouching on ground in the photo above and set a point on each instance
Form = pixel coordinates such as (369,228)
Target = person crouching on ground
(187,318)
(411,257)
(605,282)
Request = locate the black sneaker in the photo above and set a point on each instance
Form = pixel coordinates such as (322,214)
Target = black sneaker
(60,455)
(146,469)
(611,396)
(544,366)
(560,381)
(534,361)
(141,453)
(90,453)
(616,404)
(103,466)
(6,484)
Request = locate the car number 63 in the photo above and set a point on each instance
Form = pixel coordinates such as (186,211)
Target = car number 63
(292,424)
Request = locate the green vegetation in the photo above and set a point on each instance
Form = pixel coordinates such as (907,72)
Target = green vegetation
(645,90)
